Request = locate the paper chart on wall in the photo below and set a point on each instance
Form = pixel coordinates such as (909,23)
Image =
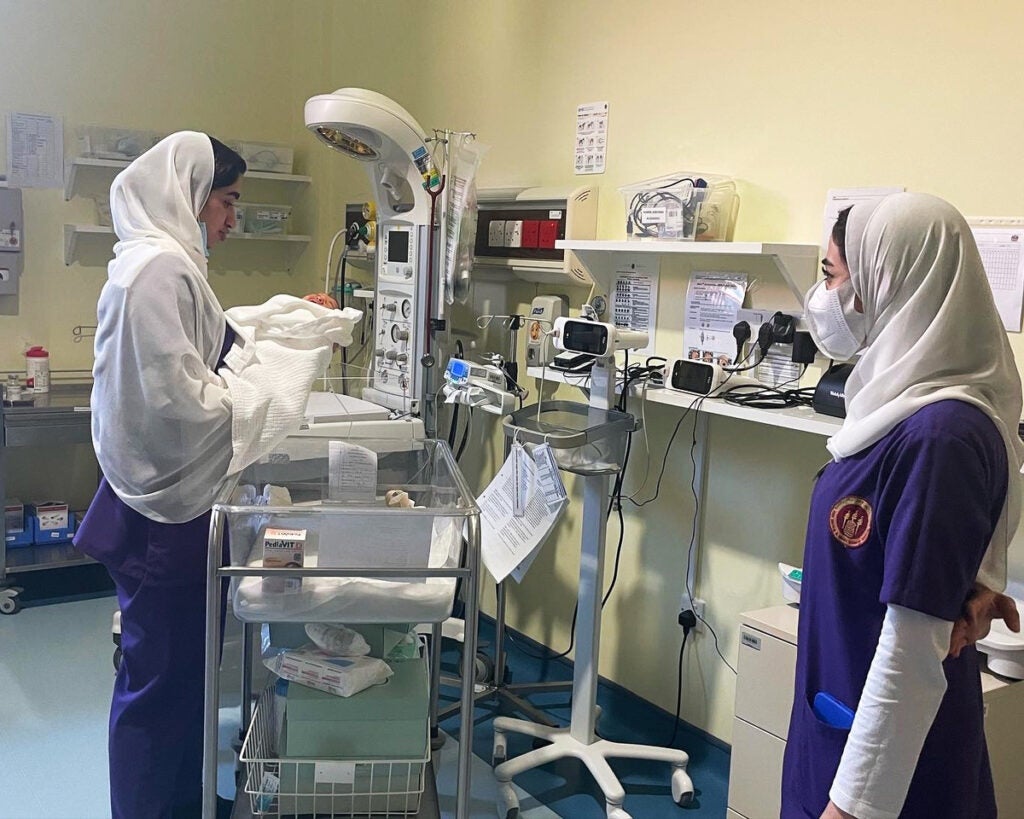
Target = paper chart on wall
(712,301)
(1002,254)
(35,151)
(635,299)
(591,137)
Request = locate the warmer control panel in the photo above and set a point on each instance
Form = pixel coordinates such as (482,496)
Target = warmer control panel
(397,343)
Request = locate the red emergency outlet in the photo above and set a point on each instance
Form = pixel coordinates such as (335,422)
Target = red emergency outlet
(531,233)
(548,233)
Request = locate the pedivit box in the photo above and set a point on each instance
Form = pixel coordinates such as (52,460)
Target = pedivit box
(283,549)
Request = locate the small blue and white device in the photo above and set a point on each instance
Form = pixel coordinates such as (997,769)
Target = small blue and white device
(457,373)
(477,385)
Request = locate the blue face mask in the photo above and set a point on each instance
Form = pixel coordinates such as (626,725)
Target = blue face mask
(206,247)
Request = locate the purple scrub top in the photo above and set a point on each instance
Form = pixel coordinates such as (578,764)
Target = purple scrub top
(127,542)
(904,522)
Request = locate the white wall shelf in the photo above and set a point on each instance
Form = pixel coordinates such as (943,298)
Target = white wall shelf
(801,419)
(93,246)
(797,264)
(92,177)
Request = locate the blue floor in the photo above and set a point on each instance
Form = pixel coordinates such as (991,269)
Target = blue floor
(55,678)
(565,786)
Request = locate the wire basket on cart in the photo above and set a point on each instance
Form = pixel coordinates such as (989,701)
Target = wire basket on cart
(279,786)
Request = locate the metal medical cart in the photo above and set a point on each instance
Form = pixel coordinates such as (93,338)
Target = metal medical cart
(398,564)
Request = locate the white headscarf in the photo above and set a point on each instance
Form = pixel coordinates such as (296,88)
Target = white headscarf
(161,417)
(934,334)
(156,200)
(171,430)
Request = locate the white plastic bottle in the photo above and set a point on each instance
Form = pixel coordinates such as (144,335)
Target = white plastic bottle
(37,369)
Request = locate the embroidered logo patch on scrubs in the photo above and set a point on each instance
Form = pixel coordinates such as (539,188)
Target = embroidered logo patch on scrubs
(850,521)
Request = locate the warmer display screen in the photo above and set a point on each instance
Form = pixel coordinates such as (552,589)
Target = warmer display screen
(585,337)
(398,246)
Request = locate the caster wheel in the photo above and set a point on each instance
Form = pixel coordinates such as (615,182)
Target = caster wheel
(9,605)
(617,813)
(117,658)
(682,788)
(483,669)
(508,802)
(437,742)
(499,753)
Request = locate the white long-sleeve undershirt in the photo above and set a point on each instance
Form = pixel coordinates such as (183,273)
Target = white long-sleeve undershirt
(901,696)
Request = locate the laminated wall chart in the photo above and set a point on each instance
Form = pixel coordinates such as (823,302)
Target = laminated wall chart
(591,137)
(712,301)
(1001,245)
(635,300)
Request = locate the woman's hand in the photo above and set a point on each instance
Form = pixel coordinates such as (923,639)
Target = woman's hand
(322,299)
(981,608)
(832,812)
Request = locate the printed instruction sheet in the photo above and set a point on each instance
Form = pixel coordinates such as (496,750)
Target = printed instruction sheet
(635,299)
(712,301)
(508,541)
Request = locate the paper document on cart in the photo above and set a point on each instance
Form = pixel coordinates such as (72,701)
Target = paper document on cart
(506,539)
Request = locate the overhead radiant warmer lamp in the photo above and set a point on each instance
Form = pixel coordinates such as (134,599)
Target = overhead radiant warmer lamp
(378,132)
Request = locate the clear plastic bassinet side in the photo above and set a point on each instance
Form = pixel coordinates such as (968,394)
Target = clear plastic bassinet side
(305,524)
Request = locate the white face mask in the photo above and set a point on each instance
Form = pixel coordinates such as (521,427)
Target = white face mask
(835,325)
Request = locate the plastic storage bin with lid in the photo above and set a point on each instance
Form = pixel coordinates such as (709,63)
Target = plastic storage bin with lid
(266,157)
(683,206)
(105,142)
(266,220)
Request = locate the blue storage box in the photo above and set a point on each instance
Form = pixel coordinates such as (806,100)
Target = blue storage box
(15,540)
(48,537)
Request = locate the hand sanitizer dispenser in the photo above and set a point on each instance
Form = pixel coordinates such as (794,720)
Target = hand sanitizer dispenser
(543,312)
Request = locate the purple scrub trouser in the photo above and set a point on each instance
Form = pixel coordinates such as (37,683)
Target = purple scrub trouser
(156,716)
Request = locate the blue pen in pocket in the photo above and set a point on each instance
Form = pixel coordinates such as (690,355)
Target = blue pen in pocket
(831,711)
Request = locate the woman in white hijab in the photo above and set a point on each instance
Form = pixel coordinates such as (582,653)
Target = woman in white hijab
(165,418)
(909,522)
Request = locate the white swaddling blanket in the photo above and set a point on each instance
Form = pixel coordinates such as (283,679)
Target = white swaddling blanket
(281,347)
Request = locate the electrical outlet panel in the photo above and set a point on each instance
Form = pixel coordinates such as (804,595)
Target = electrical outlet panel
(518,229)
(12,240)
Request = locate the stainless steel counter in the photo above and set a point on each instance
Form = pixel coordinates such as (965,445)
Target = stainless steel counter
(58,417)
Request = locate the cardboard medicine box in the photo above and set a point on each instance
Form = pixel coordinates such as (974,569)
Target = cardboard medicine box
(283,549)
(49,515)
(14,516)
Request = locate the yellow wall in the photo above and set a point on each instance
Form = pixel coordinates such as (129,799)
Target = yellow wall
(236,71)
(791,98)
